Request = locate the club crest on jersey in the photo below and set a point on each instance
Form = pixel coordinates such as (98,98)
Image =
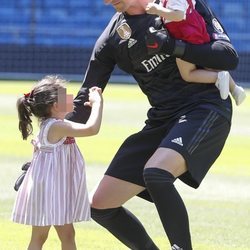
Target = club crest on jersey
(217,25)
(124,31)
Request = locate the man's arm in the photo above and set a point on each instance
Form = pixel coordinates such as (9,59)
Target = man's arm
(98,73)
(218,54)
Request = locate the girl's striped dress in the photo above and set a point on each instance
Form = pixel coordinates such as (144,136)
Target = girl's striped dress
(54,189)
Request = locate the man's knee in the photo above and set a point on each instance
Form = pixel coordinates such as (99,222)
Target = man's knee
(100,201)
(100,215)
(154,176)
(95,202)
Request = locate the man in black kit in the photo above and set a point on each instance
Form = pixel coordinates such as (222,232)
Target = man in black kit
(186,127)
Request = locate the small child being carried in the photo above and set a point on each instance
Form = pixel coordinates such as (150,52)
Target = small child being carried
(183,22)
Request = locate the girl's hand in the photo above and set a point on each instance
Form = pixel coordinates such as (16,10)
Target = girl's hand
(95,96)
(152,8)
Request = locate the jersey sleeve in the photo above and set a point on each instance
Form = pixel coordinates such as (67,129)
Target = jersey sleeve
(99,70)
(214,26)
(219,54)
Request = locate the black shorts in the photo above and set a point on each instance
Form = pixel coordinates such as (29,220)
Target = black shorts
(199,136)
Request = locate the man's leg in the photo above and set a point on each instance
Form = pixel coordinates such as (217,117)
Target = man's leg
(195,143)
(107,210)
(159,175)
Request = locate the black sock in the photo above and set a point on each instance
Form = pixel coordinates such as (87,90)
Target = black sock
(170,207)
(125,227)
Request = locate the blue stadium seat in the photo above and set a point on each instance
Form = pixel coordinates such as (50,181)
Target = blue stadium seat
(7,13)
(70,41)
(23,3)
(71,22)
(233,9)
(215,6)
(8,3)
(14,16)
(80,4)
(13,34)
(240,46)
(236,24)
(55,4)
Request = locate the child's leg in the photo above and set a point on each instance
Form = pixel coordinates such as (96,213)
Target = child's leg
(66,234)
(190,73)
(38,237)
(232,84)
(237,92)
(222,84)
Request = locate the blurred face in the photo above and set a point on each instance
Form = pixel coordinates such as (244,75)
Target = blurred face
(65,102)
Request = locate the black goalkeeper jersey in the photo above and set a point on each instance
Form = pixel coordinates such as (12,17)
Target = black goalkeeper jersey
(123,44)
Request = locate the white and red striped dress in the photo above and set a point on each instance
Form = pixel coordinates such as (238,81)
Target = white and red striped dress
(54,189)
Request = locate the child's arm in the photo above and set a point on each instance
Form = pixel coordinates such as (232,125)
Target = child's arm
(190,73)
(72,129)
(168,14)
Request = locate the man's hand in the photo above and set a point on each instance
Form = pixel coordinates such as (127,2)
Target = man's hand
(159,42)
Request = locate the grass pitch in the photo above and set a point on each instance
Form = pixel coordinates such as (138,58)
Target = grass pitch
(219,210)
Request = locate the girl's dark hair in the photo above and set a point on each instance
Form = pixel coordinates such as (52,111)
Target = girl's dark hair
(38,103)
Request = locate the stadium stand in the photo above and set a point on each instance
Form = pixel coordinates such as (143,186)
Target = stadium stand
(45,36)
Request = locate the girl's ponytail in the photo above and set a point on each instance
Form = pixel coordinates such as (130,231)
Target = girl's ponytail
(24,114)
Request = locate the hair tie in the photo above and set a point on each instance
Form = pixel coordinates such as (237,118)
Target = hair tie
(27,95)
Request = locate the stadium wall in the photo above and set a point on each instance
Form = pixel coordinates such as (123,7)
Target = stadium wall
(33,62)
(39,37)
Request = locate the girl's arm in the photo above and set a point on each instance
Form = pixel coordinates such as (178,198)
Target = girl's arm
(65,128)
(168,14)
(190,73)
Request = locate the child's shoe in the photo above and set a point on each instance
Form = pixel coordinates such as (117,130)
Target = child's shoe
(239,95)
(222,84)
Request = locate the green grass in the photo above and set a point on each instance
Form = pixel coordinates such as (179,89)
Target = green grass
(219,210)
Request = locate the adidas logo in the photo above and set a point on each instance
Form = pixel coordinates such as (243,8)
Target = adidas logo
(131,42)
(177,141)
(175,247)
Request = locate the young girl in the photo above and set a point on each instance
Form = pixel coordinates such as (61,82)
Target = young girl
(185,23)
(54,189)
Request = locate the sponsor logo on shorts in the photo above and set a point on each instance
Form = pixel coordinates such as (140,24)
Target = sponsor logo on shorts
(175,247)
(182,119)
(177,141)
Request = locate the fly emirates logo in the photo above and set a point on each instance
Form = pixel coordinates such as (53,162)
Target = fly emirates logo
(153,62)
